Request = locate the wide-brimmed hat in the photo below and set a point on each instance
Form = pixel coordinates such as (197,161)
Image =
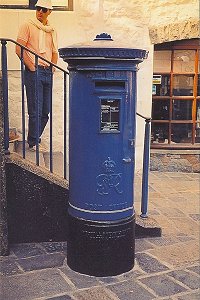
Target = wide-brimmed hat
(44,3)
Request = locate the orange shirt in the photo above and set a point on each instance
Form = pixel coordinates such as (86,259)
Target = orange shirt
(29,33)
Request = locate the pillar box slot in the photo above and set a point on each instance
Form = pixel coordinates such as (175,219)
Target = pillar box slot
(102,107)
(110,85)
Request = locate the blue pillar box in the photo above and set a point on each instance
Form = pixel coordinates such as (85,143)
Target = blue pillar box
(102,113)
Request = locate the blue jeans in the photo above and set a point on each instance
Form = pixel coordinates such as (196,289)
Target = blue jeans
(44,89)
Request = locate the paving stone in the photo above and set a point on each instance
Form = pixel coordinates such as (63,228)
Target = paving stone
(152,212)
(191,296)
(42,262)
(168,227)
(162,285)
(185,225)
(80,280)
(52,247)
(172,212)
(163,241)
(187,278)
(151,189)
(95,294)
(133,274)
(9,267)
(142,245)
(179,254)
(195,269)
(150,264)
(177,197)
(26,250)
(63,297)
(109,279)
(188,195)
(33,285)
(130,290)
(185,238)
(195,217)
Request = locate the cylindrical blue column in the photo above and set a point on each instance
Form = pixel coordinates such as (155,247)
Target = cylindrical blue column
(102,155)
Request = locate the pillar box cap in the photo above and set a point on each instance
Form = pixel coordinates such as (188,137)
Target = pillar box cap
(103,46)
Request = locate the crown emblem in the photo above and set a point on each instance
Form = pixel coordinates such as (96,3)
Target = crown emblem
(109,165)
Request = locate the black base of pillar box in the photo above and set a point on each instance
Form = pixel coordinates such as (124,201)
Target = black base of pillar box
(101,248)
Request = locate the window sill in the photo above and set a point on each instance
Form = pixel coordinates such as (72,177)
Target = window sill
(180,146)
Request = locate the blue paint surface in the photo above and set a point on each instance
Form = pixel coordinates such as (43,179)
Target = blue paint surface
(102,134)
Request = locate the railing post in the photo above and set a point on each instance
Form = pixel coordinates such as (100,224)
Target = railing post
(51,124)
(65,127)
(4,249)
(5,95)
(37,112)
(23,102)
(145,176)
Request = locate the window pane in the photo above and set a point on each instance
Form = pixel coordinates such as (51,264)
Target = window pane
(184,61)
(181,133)
(198,112)
(55,3)
(160,110)
(198,86)
(183,85)
(14,2)
(162,87)
(59,2)
(159,133)
(162,61)
(182,110)
(197,133)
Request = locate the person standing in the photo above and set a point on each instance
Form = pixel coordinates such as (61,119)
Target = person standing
(38,35)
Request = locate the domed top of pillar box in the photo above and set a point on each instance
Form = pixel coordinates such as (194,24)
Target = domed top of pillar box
(102,47)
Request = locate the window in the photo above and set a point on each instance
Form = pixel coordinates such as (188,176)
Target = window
(30,4)
(176,95)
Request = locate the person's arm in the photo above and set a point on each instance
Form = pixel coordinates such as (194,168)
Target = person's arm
(27,61)
(54,60)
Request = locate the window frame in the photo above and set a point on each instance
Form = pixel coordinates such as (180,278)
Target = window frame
(192,44)
(31,5)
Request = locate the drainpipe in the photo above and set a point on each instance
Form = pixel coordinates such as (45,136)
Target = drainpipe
(3,203)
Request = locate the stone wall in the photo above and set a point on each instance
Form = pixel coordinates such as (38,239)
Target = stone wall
(37,203)
(175,160)
(186,29)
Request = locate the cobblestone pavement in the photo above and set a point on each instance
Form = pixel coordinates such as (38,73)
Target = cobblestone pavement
(166,267)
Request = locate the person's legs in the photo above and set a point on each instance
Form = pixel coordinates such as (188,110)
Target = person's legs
(47,90)
(30,78)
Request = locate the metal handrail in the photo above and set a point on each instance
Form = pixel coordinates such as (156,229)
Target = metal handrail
(32,52)
(5,100)
(145,173)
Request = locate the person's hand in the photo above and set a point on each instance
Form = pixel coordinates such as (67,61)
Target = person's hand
(32,69)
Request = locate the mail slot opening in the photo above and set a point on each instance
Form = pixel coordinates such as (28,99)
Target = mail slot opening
(110,84)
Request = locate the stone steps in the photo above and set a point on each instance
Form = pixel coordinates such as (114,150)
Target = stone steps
(57,158)
(44,157)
